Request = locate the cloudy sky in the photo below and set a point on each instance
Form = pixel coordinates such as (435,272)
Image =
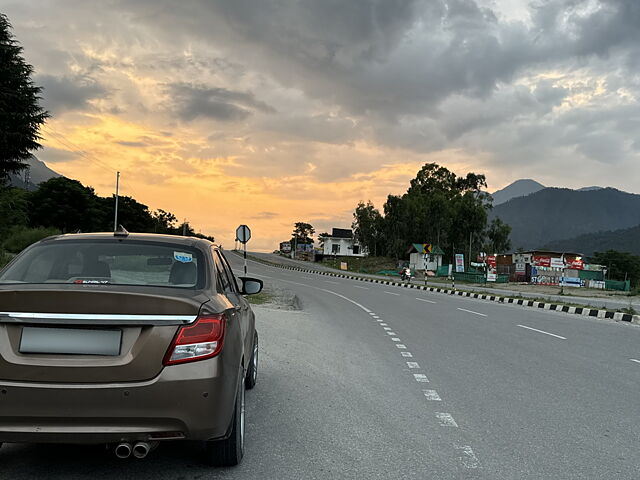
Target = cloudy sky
(267,112)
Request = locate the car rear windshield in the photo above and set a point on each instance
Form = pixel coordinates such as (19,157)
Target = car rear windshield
(112,262)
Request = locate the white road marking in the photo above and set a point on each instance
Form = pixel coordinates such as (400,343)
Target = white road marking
(383,324)
(391,333)
(406,354)
(413,365)
(362,288)
(467,457)
(386,328)
(425,300)
(345,298)
(634,360)
(542,331)
(400,345)
(395,339)
(329,281)
(471,311)
(308,278)
(420,377)
(432,395)
(378,320)
(446,420)
(373,314)
(392,293)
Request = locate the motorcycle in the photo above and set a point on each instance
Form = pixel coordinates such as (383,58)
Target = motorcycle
(404,276)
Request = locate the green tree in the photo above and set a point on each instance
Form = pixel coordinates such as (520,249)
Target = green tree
(620,265)
(368,228)
(439,208)
(498,236)
(20,112)
(14,209)
(66,205)
(302,233)
(164,222)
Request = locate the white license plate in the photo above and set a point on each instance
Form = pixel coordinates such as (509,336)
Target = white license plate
(71,341)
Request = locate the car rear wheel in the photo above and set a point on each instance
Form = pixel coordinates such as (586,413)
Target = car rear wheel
(229,452)
(252,369)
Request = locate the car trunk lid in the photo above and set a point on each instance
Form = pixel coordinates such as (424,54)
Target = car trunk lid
(63,335)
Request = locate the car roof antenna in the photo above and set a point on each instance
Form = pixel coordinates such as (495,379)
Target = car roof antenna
(121,232)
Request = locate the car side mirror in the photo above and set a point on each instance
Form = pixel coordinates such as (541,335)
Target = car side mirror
(251,286)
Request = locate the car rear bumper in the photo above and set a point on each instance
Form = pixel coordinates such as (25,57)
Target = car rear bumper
(193,401)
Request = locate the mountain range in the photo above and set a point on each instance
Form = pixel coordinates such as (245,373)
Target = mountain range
(582,220)
(29,178)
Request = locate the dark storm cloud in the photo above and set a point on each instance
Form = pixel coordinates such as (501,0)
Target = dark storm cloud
(63,93)
(421,75)
(198,101)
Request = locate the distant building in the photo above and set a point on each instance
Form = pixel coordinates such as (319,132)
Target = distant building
(285,247)
(342,244)
(420,259)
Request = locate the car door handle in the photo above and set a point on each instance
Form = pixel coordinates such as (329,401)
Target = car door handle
(237,308)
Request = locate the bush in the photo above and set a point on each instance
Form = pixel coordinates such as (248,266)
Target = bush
(21,238)
(4,258)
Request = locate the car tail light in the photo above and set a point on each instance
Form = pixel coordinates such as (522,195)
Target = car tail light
(198,341)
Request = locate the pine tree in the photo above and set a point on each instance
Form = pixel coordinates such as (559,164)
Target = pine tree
(20,112)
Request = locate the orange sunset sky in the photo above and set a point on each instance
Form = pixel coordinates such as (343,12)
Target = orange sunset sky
(267,113)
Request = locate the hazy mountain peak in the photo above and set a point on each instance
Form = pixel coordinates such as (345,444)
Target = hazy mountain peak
(519,188)
(37,172)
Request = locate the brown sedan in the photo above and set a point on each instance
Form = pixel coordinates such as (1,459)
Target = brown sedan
(127,340)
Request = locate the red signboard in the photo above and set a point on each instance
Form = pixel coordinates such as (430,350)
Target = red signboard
(491,261)
(540,261)
(576,264)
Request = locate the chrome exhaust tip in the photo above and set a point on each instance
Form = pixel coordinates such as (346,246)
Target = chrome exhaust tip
(142,449)
(123,450)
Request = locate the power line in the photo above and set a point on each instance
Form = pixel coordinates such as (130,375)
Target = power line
(60,138)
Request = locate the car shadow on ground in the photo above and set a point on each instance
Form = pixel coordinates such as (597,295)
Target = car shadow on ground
(170,460)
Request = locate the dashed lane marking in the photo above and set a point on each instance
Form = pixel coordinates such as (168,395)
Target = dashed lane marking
(392,293)
(471,311)
(395,339)
(329,281)
(391,333)
(383,324)
(467,457)
(371,313)
(425,300)
(406,354)
(413,365)
(634,360)
(446,420)
(542,331)
(432,395)
(420,377)
(361,288)
(401,345)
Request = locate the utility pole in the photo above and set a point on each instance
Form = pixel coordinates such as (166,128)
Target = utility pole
(184,228)
(115,217)
(469,259)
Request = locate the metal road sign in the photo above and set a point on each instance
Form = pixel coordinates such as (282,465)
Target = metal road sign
(427,248)
(243,233)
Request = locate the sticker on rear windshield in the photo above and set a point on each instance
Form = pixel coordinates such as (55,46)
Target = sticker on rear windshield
(183,257)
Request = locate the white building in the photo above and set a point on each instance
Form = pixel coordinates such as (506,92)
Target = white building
(418,260)
(342,244)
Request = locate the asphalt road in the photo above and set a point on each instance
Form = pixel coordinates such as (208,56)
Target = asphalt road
(374,381)
(612,302)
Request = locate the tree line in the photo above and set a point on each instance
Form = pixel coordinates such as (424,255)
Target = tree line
(68,206)
(439,208)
